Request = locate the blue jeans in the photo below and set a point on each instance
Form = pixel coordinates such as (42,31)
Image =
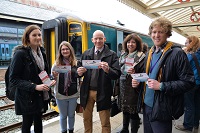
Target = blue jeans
(192,108)
(67,109)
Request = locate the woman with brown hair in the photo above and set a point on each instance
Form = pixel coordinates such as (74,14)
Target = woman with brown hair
(131,61)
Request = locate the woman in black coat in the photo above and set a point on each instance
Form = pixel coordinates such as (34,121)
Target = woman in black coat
(31,96)
(131,61)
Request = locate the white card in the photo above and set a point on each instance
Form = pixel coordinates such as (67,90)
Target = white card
(45,78)
(91,64)
(128,64)
(62,69)
(140,77)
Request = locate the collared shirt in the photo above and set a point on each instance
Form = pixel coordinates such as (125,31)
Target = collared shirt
(160,48)
(95,50)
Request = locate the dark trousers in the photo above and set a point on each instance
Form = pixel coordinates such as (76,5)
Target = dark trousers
(155,126)
(192,108)
(29,119)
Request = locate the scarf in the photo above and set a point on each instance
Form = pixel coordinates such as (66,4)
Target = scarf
(38,58)
(40,63)
(64,80)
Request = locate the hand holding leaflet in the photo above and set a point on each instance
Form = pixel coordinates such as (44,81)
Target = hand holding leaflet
(140,77)
(45,78)
(91,64)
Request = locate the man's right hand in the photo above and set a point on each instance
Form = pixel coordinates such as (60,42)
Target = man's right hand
(81,70)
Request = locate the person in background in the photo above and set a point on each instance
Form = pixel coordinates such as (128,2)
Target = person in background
(119,52)
(184,49)
(131,61)
(145,48)
(170,76)
(192,97)
(31,96)
(97,85)
(66,92)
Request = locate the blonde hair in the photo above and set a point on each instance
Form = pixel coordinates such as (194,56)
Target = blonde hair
(194,44)
(162,22)
(72,57)
(27,32)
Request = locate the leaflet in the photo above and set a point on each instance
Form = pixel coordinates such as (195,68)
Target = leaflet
(45,78)
(128,64)
(62,69)
(140,77)
(91,64)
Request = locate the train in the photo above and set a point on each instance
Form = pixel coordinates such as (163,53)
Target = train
(9,38)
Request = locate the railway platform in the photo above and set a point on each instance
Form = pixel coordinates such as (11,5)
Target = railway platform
(52,126)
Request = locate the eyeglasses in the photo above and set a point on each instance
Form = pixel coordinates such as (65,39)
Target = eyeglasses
(63,49)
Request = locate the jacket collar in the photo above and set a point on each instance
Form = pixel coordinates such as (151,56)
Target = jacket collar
(164,50)
(105,52)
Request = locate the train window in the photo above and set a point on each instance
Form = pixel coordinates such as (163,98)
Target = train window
(119,49)
(6,51)
(74,28)
(3,51)
(76,42)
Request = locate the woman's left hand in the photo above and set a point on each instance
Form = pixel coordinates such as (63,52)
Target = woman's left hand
(131,71)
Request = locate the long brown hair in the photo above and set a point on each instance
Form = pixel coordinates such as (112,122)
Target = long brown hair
(194,44)
(72,57)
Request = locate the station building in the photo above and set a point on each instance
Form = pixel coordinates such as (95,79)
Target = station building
(15,15)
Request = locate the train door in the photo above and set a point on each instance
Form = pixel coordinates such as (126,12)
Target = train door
(54,32)
(120,38)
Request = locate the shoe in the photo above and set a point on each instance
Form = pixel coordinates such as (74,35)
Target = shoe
(182,128)
(196,127)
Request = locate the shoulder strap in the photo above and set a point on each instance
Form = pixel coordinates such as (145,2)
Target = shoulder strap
(196,63)
(139,57)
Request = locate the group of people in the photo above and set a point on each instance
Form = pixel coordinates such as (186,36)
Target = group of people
(170,83)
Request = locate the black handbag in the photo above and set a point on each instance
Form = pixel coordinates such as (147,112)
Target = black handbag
(114,107)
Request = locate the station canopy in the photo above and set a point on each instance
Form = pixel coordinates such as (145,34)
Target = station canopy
(184,14)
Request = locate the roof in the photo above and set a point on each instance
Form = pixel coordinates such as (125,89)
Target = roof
(184,14)
(13,11)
